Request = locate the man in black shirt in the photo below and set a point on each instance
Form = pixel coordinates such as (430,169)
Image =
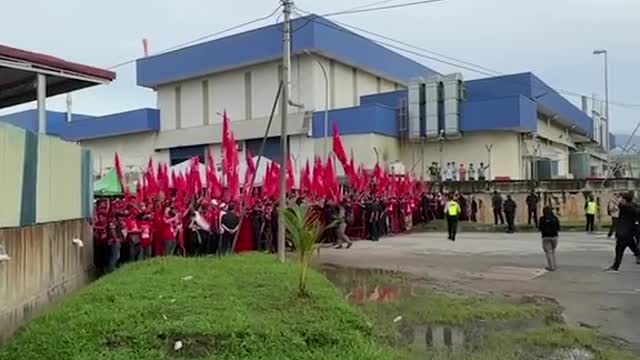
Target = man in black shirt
(510,213)
(496,202)
(532,208)
(230,224)
(625,230)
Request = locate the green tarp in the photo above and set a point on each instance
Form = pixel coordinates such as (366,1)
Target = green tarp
(109,185)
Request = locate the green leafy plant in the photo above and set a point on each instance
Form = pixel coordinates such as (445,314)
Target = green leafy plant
(305,230)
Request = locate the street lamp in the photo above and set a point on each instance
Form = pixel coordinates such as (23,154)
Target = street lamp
(326,103)
(606,92)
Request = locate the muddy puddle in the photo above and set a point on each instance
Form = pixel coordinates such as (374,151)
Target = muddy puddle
(368,287)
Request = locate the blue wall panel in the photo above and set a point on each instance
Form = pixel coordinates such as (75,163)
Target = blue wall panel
(515,113)
(365,119)
(129,122)
(28,120)
(390,99)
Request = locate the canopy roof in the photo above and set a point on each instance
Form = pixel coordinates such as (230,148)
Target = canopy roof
(18,70)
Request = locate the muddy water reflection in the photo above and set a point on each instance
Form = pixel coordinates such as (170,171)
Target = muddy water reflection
(377,286)
(373,286)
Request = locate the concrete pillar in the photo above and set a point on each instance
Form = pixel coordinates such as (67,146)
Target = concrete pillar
(42,103)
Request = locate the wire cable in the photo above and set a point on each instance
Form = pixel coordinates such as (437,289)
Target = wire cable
(387,7)
(451,61)
(199,39)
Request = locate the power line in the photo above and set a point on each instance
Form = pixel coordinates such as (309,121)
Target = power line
(370,4)
(190,42)
(419,48)
(396,6)
(469,66)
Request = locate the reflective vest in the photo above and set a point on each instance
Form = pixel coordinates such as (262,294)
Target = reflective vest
(592,208)
(453,209)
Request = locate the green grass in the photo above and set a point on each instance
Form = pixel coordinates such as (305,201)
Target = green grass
(240,307)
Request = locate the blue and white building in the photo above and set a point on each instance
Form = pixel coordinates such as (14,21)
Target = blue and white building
(530,129)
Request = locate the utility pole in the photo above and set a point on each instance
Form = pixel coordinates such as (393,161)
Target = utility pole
(284,146)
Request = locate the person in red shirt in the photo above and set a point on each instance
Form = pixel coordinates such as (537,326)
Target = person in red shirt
(169,230)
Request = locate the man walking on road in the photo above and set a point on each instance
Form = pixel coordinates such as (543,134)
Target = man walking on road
(613,211)
(591,208)
(625,230)
(532,207)
(510,213)
(496,202)
(452,212)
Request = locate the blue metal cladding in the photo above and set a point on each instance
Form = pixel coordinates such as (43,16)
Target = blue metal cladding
(530,86)
(311,33)
(390,99)
(28,120)
(129,122)
(514,113)
(364,119)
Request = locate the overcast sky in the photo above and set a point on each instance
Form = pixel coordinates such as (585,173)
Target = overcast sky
(552,38)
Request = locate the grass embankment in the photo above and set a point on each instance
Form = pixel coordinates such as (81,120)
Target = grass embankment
(240,307)
(516,329)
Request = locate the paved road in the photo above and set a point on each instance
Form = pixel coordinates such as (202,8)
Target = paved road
(514,264)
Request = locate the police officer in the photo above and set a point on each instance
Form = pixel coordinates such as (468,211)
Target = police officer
(452,213)
(591,208)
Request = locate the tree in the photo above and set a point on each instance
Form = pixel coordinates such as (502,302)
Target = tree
(305,230)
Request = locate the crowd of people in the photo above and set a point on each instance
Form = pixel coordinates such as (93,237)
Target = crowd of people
(453,172)
(133,229)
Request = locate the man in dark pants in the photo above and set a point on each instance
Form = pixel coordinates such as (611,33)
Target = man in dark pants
(257,224)
(625,230)
(452,213)
(510,213)
(591,209)
(496,202)
(230,224)
(532,208)
(613,210)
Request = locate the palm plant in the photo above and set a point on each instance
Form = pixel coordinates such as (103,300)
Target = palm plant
(305,230)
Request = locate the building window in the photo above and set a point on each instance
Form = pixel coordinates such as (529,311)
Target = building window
(247,95)
(205,102)
(378,85)
(178,107)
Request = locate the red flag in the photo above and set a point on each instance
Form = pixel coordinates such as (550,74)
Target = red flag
(338,149)
(249,175)
(330,181)
(290,179)
(230,161)
(318,175)
(120,175)
(305,179)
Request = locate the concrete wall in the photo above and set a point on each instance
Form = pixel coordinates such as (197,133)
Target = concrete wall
(567,197)
(134,150)
(12,163)
(228,91)
(471,148)
(42,179)
(44,266)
